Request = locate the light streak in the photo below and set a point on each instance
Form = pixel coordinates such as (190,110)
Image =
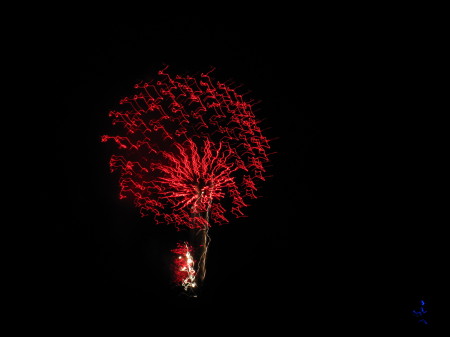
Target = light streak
(421,313)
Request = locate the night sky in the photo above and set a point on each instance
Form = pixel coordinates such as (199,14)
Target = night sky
(346,230)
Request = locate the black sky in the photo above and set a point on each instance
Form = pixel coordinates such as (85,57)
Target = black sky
(347,227)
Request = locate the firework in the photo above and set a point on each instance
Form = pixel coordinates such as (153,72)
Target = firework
(187,144)
(184,268)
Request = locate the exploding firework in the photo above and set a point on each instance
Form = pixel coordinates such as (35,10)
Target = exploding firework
(189,144)
(184,270)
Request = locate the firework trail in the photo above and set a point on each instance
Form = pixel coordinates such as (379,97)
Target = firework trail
(191,153)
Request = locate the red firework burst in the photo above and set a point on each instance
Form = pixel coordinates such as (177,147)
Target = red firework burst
(187,144)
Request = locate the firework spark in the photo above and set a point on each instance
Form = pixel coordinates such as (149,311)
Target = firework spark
(184,272)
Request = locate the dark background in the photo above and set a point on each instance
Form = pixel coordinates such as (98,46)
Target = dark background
(347,230)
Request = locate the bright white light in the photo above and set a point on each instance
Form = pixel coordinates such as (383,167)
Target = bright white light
(189,281)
